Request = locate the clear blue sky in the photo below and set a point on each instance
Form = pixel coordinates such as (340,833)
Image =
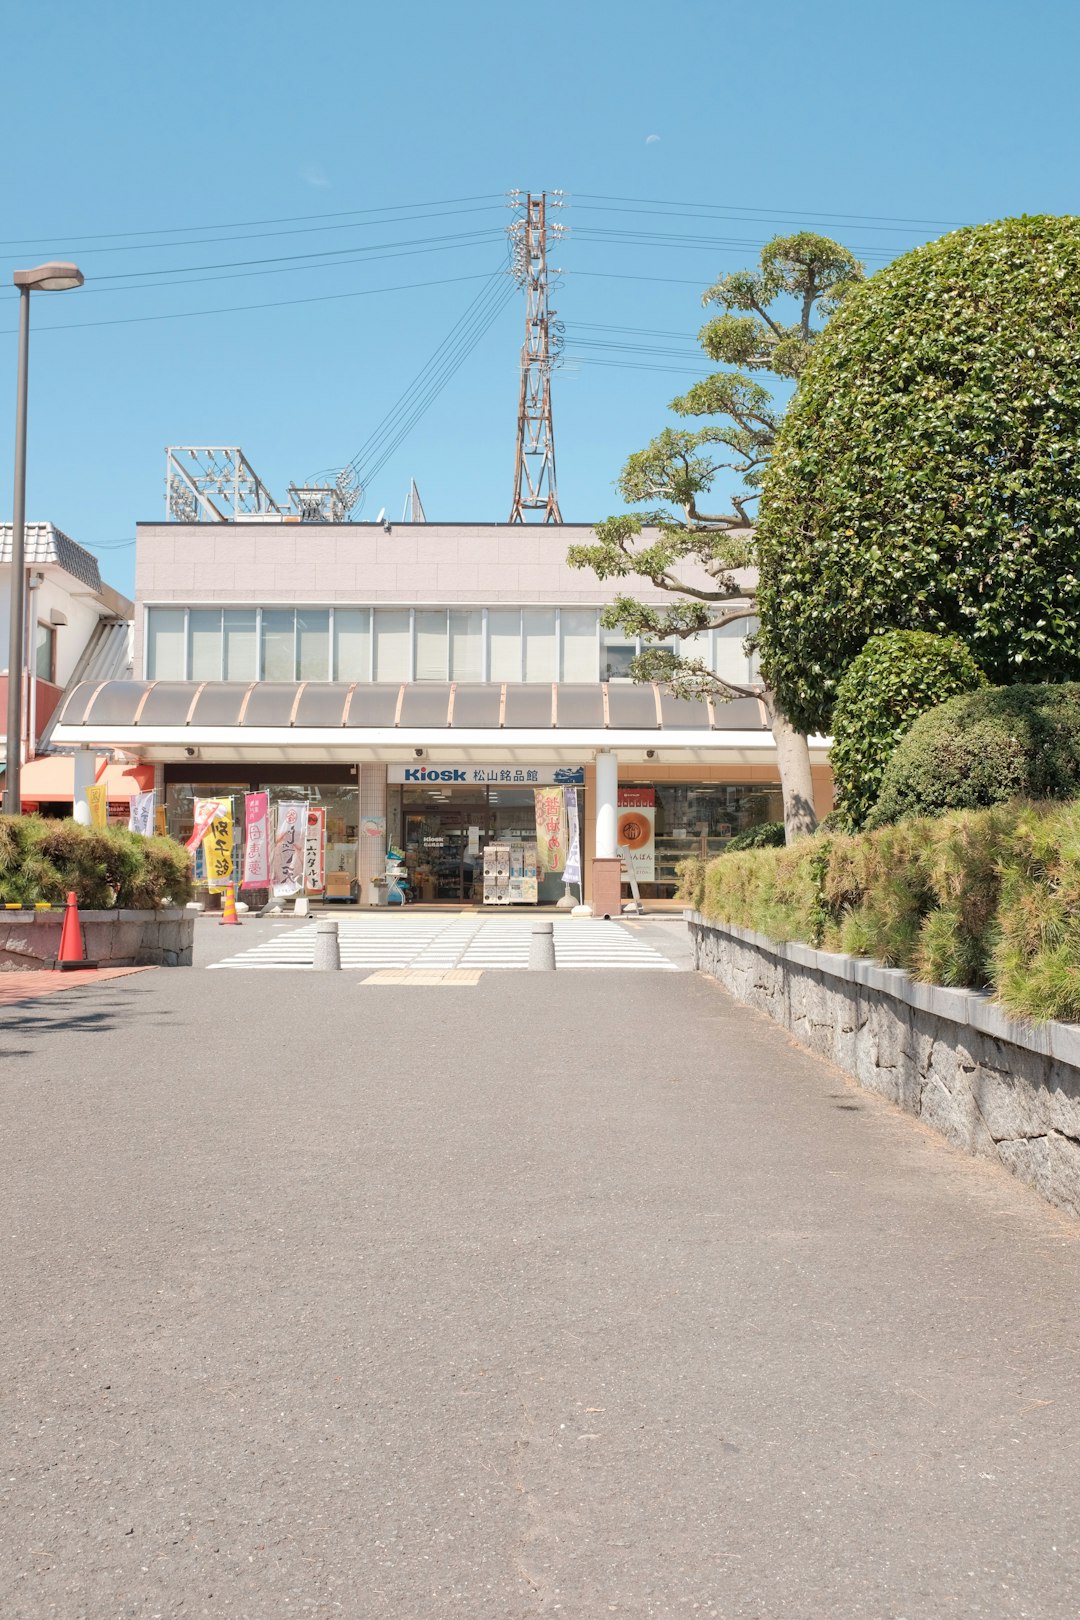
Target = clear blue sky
(191,122)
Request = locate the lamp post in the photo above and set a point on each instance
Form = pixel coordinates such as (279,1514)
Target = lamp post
(52,277)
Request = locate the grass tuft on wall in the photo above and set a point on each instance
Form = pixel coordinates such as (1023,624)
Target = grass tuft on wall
(979,899)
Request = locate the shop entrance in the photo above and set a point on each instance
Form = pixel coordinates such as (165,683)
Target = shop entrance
(445,843)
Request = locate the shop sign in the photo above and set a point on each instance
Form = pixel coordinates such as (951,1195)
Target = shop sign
(289,839)
(315,850)
(637,831)
(256,841)
(550,829)
(490,775)
(218,849)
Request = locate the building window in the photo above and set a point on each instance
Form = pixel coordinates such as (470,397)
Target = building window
(240,646)
(466,644)
(431,650)
(504,643)
(577,644)
(617,652)
(165,635)
(278,644)
(352,644)
(538,638)
(204,644)
(313,644)
(45,652)
(393,637)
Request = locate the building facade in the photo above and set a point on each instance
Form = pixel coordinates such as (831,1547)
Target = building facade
(77,628)
(418,682)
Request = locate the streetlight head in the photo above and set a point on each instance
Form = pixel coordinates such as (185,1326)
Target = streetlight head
(53,277)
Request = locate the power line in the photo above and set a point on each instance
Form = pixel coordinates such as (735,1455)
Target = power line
(240,224)
(234,309)
(741,219)
(749,208)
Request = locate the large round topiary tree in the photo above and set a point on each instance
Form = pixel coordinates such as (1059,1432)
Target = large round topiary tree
(927,473)
(896,677)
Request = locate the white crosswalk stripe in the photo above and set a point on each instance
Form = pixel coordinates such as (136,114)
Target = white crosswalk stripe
(433,942)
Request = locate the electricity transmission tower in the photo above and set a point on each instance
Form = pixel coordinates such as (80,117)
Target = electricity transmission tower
(534,464)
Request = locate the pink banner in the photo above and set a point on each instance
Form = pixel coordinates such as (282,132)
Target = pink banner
(256,841)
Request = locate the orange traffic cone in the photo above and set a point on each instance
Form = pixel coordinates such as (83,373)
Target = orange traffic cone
(72,952)
(229,919)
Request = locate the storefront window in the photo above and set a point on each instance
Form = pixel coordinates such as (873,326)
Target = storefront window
(698,819)
(445,830)
(341,802)
(617,652)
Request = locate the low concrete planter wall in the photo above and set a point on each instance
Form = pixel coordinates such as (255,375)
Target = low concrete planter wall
(996,1087)
(31,939)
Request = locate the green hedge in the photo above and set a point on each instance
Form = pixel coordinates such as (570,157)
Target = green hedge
(44,860)
(982,899)
(1002,743)
(899,675)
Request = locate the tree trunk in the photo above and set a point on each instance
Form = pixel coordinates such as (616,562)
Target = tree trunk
(796,781)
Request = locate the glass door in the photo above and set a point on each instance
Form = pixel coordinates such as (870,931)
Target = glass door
(443,843)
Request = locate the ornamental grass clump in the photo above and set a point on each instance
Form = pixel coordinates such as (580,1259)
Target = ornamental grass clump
(44,861)
(986,900)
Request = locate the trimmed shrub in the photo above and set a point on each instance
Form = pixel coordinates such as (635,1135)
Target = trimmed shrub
(899,675)
(986,899)
(924,475)
(767,835)
(986,748)
(44,860)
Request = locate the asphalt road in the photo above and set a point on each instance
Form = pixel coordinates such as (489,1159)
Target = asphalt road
(582,1294)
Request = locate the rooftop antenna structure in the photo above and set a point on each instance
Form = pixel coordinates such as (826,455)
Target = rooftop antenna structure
(413,511)
(535,489)
(217,484)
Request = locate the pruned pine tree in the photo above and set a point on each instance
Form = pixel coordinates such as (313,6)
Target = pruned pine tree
(704,559)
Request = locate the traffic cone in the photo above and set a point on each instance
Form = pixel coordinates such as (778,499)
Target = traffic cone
(72,952)
(229,919)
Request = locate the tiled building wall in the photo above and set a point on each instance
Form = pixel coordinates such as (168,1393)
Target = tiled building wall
(442,564)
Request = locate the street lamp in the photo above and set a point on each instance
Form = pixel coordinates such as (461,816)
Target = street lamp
(53,277)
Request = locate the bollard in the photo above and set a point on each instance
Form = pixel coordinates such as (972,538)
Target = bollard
(542,946)
(327,949)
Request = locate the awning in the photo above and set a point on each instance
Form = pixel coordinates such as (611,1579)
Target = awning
(51,779)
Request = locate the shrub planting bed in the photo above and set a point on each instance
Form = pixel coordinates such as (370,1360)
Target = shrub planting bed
(986,900)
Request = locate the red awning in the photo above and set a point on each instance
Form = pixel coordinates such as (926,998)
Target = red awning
(51,779)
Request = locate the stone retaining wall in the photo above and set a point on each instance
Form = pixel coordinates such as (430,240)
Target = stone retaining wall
(993,1086)
(31,939)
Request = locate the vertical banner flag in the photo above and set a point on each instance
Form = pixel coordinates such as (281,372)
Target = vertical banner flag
(637,830)
(572,869)
(99,809)
(550,829)
(204,812)
(141,814)
(256,841)
(315,851)
(218,848)
(161,821)
(290,831)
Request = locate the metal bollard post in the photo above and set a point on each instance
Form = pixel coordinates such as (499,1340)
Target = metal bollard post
(542,946)
(327,949)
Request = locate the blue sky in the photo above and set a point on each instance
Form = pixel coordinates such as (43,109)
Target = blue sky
(161,138)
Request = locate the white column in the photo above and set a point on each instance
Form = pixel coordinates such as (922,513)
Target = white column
(607,804)
(85,776)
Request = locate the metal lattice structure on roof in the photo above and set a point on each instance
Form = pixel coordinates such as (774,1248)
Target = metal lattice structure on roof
(216,483)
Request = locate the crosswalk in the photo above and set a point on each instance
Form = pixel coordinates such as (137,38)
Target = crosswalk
(436,944)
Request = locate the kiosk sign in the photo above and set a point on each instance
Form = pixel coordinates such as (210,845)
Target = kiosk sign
(490,775)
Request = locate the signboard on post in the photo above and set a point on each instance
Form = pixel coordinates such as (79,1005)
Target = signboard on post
(315,851)
(637,831)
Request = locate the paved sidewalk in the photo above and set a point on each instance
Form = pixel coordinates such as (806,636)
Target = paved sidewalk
(582,1294)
